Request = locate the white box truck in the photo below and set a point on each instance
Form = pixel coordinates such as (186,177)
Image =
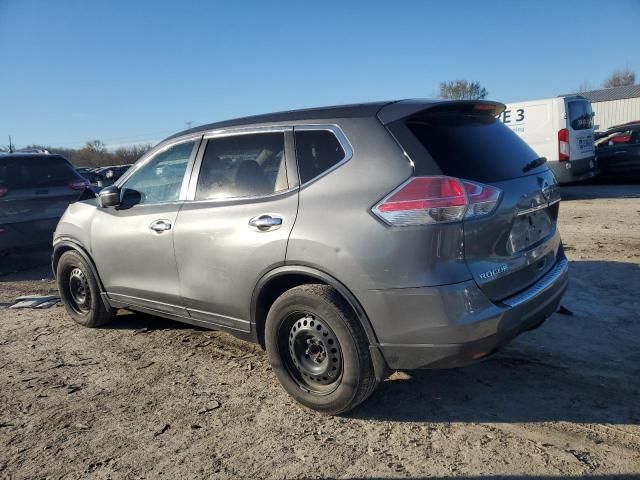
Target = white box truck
(559,129)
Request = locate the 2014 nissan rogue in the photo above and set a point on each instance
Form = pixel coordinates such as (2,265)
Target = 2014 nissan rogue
(346,240)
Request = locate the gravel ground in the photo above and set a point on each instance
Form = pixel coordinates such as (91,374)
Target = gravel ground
(150,398)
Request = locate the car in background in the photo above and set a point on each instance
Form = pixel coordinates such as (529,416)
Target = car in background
(618,150)
(88,173)
(559,129)
(109,175)
(101,177)
(35,190)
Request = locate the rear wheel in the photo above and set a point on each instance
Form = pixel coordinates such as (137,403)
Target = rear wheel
(79,291)
(318,349)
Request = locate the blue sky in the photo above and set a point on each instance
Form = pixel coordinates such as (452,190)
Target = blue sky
(127,71)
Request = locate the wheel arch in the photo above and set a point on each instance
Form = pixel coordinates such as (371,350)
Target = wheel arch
(277,281)
(68,244)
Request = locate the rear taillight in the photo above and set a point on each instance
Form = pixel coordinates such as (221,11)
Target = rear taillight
(428,200)
(563,145)
(3,191)
(78,184)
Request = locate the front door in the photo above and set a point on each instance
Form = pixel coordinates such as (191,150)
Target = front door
(236,225)
(134,246)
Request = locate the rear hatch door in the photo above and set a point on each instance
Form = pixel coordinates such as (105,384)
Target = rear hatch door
(514,246)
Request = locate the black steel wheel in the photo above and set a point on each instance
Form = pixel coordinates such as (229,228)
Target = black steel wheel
(314,354)
(79,291)
(318,349)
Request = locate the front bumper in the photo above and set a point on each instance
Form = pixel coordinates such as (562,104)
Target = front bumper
(484,328)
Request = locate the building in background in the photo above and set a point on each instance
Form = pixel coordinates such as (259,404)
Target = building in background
(614,106)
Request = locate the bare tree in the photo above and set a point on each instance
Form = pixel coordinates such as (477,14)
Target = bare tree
(96,146)
(462,90)
(130,154)
(620,78)
(95,154)
(584,87)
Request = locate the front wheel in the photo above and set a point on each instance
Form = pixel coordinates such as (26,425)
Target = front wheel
(79,291)
(318,349)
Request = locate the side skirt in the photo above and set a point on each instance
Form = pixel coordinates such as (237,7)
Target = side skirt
(243,334)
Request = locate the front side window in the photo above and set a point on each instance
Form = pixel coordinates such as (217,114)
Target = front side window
(160,179)
(246,165)
(317,151)
(580,115)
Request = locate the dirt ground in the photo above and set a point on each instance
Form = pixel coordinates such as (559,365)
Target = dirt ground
(150,398)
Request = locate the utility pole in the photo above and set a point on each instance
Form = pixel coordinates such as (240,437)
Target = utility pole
(10,145)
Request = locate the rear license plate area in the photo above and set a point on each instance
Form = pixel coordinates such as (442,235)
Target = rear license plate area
(529,229)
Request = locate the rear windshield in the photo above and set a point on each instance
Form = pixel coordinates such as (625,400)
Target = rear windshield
(580,115)
(474,146)
(34,172)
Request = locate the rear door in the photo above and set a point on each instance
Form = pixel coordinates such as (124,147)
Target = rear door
(517,244)
(580,125)
(242,204)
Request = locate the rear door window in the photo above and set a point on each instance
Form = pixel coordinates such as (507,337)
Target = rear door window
(317,151)
(35,172)
(246,165)
(473,146)
(580,115)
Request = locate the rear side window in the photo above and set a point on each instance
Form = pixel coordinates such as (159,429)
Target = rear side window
(35,172)
(580,115)
(473,146)
(317,151)
(246,165)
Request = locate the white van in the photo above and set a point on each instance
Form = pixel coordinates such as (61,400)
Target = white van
(560,129)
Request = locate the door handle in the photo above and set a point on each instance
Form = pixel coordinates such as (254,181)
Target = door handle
(266,222)
(160,226)
(621,151)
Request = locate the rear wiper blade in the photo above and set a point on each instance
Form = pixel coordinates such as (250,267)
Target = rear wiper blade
(534,164)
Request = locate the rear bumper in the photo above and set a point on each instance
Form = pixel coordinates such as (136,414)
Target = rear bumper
(481,327)
(574,170)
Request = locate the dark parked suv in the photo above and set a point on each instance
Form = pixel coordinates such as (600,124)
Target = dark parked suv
(35,190)
(346,240)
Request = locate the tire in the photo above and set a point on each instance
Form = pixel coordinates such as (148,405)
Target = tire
(319,350)
(79,291)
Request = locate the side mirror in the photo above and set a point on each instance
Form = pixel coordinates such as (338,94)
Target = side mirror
(109,196)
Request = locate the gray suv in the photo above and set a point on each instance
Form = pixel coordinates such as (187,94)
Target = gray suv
(348,241)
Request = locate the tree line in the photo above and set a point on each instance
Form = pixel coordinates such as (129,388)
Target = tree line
(95,154)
